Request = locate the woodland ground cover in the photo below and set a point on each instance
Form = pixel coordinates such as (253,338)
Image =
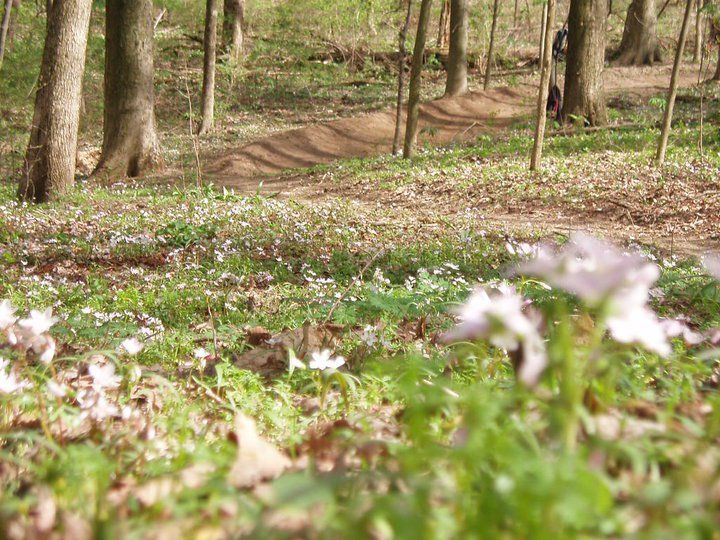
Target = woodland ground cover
(221,364)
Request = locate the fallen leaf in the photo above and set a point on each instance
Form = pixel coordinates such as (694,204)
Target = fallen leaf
(257,460)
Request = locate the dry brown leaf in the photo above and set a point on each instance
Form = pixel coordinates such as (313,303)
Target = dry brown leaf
(257,335)
(257,460)
(75,528)
(44,512)
(159,489)
(271,356)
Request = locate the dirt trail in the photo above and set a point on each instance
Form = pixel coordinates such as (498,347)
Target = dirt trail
(442,121)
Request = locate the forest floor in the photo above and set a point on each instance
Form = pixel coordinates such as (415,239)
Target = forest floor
(616,201)
(178,307)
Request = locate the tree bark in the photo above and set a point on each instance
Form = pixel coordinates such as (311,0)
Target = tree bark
(11,29)
(457,83)
(639,42)
(401,78)
(697,51)
(4,29)
(491,48)
(233,24)
(208,88)
(584,95)
(672,92)
(130,142)
(544,87)
(444,26)
(49,166)
(543,27)
(413,113)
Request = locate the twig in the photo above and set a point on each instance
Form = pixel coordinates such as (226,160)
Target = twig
(159,18)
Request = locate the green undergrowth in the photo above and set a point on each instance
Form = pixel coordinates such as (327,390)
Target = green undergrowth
(463,450)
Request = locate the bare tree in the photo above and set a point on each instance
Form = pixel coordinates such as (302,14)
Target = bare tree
(697,51)
(491,48)
(130,142)
(444,25)
(544,87)
(639,42)
(4,28)
(413,113)
(715,38)
(584,95)
(672,92)
(457,80)
(402,50)
(49,166)
(233,28)
(208,87)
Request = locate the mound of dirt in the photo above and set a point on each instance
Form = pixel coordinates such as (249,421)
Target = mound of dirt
(442,122)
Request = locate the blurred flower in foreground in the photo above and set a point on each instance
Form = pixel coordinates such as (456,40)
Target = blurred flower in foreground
(603,276)
(132,346)
(499,315)
(39,322)
(7,315)
(9,383)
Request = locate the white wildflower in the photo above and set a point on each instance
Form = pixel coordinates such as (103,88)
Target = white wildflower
(294,362)
(7,315)
(39,322)
(132,346)
(9,383)
(323,360)
(103,376)
(499,317)
(57,390)
(200,353)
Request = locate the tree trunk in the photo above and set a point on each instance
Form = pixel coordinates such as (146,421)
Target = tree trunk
(130,142)
(491,48)
(716,77)
(639,42)
(233,23)
(544,86)
(543,27)
(584,95)
(413,113)
(49,166)
(11,29)
(444,26)
(4,28)
(516,11)
(457,82)
(672,92)
(401,78)
(697,51)
(208,88)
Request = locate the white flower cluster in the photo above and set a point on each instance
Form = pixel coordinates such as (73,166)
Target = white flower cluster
(604,277)
(319,360)
(501,316)
(87,391)
(619,285)
(29,334)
